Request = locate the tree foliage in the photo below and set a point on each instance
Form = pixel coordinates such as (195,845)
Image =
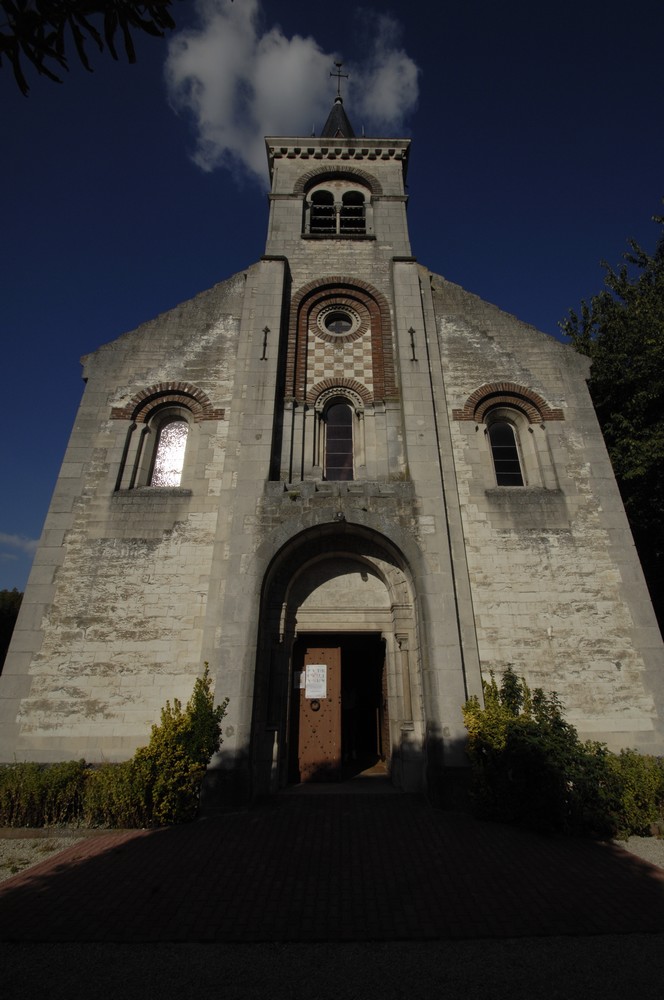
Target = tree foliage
(10,603)
(622,331)
(41,31)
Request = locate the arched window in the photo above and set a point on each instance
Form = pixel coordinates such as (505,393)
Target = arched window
(515,419)
(505,453)
(339,441)
(168,457)
(323,217)
(338,207)
(155,450)
(352,218)
(161,440)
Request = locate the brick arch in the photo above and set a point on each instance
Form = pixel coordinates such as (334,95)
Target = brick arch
(146,401)
(494,394)
(338,174)
(339,282)
(327,384)
(337,288)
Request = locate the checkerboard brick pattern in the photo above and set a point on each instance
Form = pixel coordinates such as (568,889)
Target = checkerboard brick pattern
(347,359)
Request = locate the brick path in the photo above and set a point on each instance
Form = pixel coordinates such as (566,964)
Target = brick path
(331,868)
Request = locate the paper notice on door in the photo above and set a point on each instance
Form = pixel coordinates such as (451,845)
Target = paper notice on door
(316,680)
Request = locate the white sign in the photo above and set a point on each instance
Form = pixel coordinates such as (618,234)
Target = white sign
(316,680)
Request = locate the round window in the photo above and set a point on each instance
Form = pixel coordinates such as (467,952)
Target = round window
(338,322)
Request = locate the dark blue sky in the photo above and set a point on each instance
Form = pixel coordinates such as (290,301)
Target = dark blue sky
(538,149)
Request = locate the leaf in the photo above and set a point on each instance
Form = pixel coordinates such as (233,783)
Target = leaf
(110,26)
(40,31)
(128,43)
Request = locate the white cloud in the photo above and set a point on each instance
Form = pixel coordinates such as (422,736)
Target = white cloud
(28,545)
(241,83)
(385,87)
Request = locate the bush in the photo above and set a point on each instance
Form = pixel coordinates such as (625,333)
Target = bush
(641,780)
(115,796)
(171,767)
(42,794)
(529,766)
(159,785)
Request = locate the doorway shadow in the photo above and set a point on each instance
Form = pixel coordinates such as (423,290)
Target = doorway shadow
(367,775)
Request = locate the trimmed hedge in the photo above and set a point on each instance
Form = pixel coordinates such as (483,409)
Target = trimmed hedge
(42,795)
(158,786)
(641,782)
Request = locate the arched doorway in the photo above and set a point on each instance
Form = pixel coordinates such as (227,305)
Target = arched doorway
(337,689)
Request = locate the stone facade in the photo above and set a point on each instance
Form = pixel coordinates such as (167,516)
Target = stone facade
(262,544)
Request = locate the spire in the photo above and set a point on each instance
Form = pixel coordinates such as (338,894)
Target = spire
(337,125)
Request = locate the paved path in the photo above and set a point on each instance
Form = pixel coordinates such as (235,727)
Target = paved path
(341,868)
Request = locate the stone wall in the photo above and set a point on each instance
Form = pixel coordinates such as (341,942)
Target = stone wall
(113,615)
(557,589)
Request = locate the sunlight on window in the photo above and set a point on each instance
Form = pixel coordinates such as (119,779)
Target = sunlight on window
(169,457)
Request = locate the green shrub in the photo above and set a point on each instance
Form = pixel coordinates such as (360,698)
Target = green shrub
(115,796)
(171,767)
(159,785)
(529,766)
(64,790)
(20,796)
(641,781)
(42,794)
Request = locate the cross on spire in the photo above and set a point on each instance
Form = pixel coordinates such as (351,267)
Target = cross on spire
(339,75)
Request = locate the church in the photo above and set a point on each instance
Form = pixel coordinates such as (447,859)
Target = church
(352,488)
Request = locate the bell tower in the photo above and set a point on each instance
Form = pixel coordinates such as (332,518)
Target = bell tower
(339,191)
(338,218)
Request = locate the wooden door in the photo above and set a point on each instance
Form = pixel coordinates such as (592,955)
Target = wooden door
(319,742)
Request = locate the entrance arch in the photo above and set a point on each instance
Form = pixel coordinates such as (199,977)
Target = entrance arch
(337,598)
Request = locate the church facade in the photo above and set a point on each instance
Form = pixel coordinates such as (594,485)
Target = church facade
(351,487)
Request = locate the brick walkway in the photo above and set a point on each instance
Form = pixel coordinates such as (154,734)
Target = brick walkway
(331,868)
